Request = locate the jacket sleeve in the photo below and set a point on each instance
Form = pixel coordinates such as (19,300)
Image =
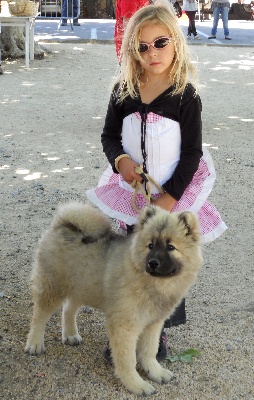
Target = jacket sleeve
(111,137)
(191,145)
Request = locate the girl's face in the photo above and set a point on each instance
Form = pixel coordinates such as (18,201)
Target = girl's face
(156,61)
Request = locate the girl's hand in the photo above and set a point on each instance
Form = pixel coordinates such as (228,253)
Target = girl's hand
(126,167)
(166,202)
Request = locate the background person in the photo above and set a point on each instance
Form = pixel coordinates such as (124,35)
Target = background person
(124,10)
(75,12)
(222,8)
(190,7)
(154,120)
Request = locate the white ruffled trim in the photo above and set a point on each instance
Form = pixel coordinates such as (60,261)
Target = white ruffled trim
(208,184)
(214,234)
(106,175)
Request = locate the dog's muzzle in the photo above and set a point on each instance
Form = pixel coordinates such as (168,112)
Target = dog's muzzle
(155,268)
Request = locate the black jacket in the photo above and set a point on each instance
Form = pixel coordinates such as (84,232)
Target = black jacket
(184,108)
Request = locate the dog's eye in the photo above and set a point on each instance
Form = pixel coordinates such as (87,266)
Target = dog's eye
(150,246)
(170,247)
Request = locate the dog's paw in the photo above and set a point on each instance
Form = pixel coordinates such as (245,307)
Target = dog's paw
(34,348)
(146,389)
(136,385)
(160,375)
(74,340)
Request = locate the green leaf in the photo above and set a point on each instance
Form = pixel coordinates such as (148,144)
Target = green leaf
(184,356)
(191,352)
(187,358)
(172,358)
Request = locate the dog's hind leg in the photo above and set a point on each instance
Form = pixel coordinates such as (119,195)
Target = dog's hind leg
(147,350)
(35,340)
(123,343)
(70,333)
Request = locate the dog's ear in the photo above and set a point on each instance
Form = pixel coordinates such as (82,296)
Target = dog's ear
(147,213)
(190,224)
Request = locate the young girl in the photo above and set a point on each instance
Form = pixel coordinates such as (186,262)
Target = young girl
(154,121)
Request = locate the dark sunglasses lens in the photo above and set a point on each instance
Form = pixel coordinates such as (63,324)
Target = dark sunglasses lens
(161,43)
(142,47)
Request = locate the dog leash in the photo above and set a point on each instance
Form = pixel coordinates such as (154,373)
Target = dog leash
(137,186)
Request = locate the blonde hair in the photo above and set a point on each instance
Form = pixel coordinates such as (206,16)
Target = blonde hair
(163,14)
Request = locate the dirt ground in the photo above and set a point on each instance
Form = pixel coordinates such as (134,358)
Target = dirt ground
(51,120)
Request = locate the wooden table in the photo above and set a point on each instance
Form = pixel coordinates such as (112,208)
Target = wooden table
(28,24)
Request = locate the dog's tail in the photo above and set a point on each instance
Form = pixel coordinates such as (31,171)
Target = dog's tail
(82,220)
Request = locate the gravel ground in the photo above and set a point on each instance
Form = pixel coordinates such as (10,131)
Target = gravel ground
(51,119)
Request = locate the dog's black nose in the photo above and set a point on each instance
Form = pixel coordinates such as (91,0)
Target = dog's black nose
(153,264)
(156,267)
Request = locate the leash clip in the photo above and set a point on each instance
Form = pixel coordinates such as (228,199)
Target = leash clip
(143,175)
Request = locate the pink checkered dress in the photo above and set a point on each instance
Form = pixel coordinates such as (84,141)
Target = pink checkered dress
(114,196)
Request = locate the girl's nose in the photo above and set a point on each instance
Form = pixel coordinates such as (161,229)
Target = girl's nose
(152,51)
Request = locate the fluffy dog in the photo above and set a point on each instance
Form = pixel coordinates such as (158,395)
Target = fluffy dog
(136,280)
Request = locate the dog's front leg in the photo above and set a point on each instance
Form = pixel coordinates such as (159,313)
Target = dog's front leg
(147,350)
(123,342)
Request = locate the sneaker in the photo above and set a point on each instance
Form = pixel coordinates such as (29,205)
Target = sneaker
(212,37)
(228,38)
(189,36)
(76,23)
(64,23)
(161,355)
(196,37)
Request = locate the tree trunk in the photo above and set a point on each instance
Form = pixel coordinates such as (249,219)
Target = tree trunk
(12,43)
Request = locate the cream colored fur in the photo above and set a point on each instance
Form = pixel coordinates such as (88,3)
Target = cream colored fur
(81,261)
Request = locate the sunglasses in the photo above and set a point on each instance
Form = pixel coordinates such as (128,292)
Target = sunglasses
(158,44)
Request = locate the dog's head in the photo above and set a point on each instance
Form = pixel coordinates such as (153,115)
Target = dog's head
(166,242)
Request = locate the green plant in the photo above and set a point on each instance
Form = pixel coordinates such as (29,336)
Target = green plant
(186,356)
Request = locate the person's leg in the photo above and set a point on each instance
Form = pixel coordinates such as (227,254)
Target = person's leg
(64,12)
(224,16)
(216,15)
(178,318)
(189,27)
(193,25)
(75,12)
